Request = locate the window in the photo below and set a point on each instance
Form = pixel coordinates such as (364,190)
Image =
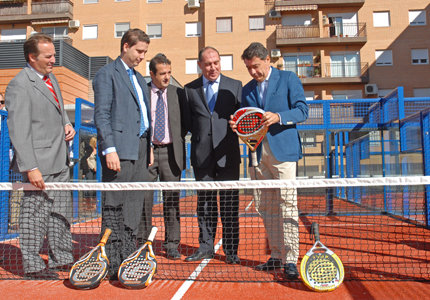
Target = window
(193,29)
(381,19)
(420,56)
(256,23)
(148,73)
(384,57)
(90,1)
(153,31)
(13,34)
(226,62)
(424,92)
(345,64)
(384,92)
(347,94)
(224,25)
(122,0)
(191,66)
(120,29)
(310,95)
(155,1)
(89,32)
(417,17)
(301,64)
(56,32)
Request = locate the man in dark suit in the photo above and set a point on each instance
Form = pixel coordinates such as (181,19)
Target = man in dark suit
(122,118)
(281,95)
(168,142)
(39,130)
(215,154)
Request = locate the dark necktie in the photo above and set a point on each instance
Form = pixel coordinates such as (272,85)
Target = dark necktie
(142,123)
(210,96)
(51,89)
(160,119)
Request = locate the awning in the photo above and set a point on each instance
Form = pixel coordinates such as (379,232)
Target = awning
(41,22)
(296,7)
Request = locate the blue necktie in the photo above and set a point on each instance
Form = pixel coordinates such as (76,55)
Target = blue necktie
(142,122)
(159,118)
(210,96)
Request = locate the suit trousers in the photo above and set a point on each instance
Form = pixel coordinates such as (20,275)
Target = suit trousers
(207,209)
(122,210)
(46,213)
(278,207)
(165,168)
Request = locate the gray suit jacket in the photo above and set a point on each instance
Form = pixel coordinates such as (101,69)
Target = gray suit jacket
(212,138)
(116,112)
(175,103)
(36,124)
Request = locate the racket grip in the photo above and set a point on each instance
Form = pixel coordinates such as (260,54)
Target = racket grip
(152,234)
(105,236)
(315,230)
(254,158)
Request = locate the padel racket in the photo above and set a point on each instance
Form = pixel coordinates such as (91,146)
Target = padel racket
(321,269)
(137,270)
(250,129)
(92,268)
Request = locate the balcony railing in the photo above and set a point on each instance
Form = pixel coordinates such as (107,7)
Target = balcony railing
(52,7)
(332,70)
(297,32)
(13,9)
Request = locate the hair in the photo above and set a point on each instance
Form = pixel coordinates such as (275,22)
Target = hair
(93,142)
(132,36)
(31,45)
(158,59)
(204,49)
(255,50)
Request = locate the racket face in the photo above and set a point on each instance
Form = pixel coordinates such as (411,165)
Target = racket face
(138,271)
(89,272)
(322,272)
(248,120)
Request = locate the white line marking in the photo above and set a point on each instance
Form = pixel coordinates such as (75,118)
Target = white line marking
(187,284)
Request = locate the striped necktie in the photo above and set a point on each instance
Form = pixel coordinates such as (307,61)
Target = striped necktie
(51,89)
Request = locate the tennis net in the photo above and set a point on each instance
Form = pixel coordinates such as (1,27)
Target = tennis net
(377,226)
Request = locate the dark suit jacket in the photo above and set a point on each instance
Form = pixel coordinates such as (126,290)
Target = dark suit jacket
(175,99)
(36,124)
(212,138)
(116,112)
(285,96)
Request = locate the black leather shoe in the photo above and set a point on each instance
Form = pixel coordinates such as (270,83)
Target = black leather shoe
(45,274)
(232,259)
(271,264)
(290,271)
(173,254)
(199,255)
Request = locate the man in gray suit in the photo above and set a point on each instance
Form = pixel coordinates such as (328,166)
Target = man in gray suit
(39,130)
(122,118)
(168,141)
(215,154)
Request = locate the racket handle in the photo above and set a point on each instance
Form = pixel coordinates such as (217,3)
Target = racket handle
(315,230)
(152,234)
(105,236)
(254,158)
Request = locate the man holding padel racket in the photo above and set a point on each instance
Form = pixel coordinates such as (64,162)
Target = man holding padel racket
(280,94)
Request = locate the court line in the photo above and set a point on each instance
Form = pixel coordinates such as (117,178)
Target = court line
(191,279)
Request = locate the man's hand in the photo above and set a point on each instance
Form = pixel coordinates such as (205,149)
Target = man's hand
(112,162)
(232,124)
(151,156)
(36,179)
(70,132)
(270,118)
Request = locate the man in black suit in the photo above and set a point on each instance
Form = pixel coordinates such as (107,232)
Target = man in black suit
(123,123)
(215,154)
(168,141)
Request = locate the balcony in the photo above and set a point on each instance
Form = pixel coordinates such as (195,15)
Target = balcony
(46,11)
(339,34)
(293,4)
(331,73)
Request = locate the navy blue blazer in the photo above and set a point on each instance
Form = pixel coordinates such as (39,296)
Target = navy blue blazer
(116,112)
(285,96)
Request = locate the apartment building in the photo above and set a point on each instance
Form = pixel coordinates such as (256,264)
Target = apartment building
(339,48)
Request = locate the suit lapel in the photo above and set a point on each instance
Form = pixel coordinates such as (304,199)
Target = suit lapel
(273,83)
(41,86)
(201,92)
(171,105)
(119,67)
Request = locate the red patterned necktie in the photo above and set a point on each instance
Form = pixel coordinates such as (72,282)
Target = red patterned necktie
(51,88)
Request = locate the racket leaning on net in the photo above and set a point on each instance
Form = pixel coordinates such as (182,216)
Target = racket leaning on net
(321,269)
(137,270)
(92,268)
(250,129)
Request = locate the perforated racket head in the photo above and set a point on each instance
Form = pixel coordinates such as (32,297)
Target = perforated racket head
(248,121)
(138,272)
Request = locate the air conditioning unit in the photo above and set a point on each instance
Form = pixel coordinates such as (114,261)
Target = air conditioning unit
(74,24)
(193,4)
(370,89)
(275,53)
(274,14)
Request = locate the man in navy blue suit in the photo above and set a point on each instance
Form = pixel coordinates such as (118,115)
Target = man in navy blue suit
(280,94)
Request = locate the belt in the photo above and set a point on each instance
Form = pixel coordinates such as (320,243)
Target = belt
(161,145)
